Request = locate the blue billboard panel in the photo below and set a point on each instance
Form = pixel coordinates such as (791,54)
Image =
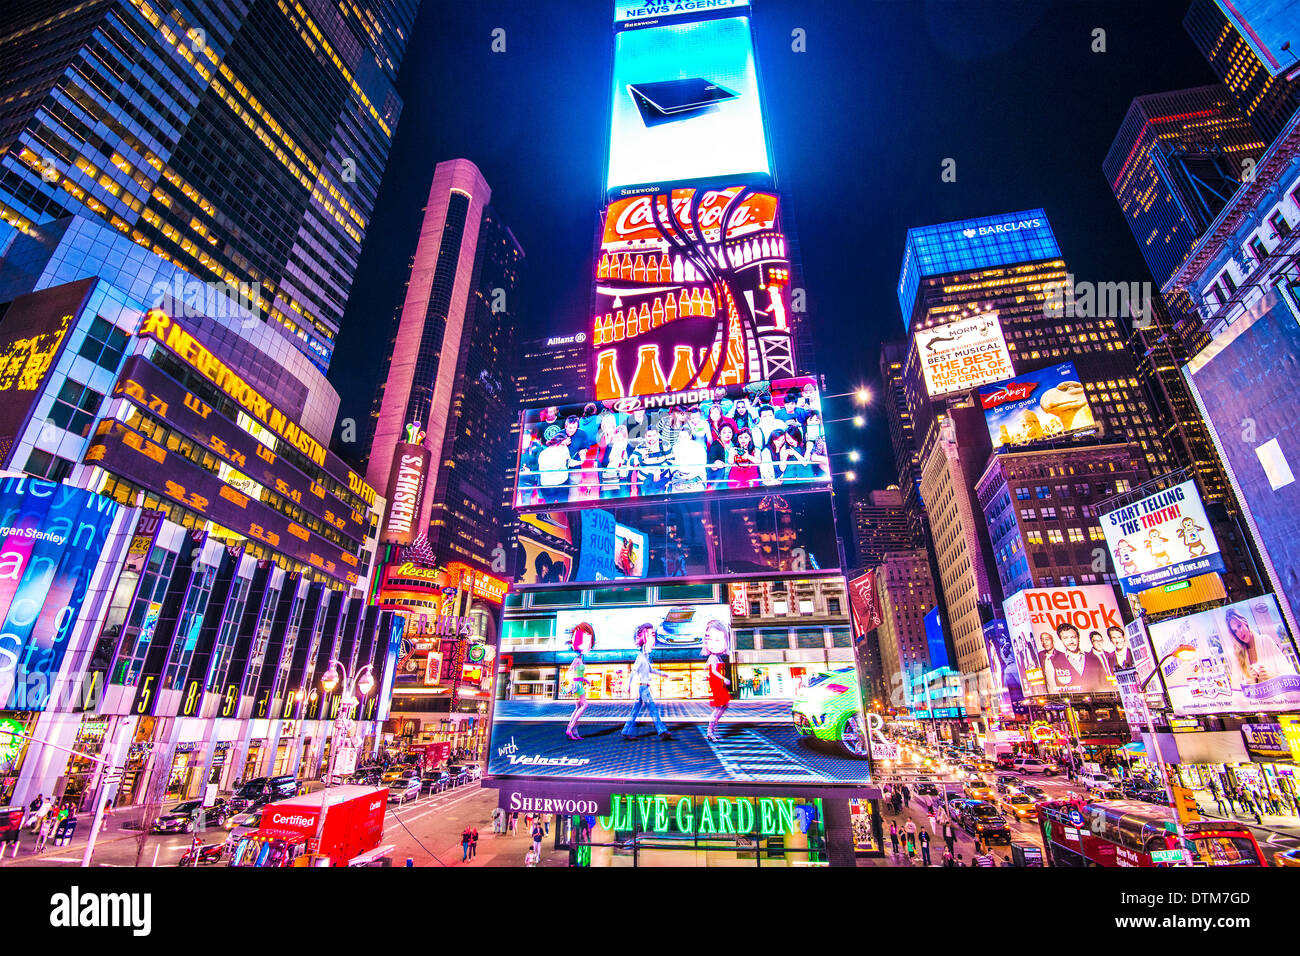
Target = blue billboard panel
(934,642)
(1050,403)
(650,693)
(685,104)
(972,244)
(51,537)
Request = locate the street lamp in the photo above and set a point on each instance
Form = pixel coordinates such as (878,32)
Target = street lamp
(344,726)
(1185,653)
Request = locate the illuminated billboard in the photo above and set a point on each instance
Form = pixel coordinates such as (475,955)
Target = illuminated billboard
(692,290)
(50,543)
(1003,669)
(970,244)
(769,435)
(1160,539)
(1041,405)
(1064,640)
(962,355)
(1240,659)
(650,693)
(406,480)
(32,336)
(685,103)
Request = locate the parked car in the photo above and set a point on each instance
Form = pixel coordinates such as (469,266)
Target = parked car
(435,781)
(186,817)
(400,772)
(982,819)
(1106,793)
(399,791)
(476,771)
(1032,765)
(457,774)
(1019,805)
(927,790)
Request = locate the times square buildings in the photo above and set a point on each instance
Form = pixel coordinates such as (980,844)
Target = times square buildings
(193,556)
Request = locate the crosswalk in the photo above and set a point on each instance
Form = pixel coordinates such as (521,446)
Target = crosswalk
(748,755)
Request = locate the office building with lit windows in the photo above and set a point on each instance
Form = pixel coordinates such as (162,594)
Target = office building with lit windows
(881,524)
(905,594)
(1176,159)
(242,142)
(1253,46)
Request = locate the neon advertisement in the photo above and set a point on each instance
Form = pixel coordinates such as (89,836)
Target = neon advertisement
(1163,538)
(1066,640)
(959,356)
(692,291)
(685,104)
(49,548)
(768,435)
(1042,405)
(1239,658)
(649,693)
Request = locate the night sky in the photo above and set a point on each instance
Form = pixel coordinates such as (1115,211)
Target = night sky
(860,125)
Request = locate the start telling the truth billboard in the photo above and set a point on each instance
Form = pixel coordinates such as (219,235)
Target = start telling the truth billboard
(1065,640)
(51,538)
(1244,661)
(1161,539)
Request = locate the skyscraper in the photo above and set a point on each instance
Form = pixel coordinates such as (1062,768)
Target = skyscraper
(881,524)
(244,143)
(1176,159)
(1252,47)
(449,371)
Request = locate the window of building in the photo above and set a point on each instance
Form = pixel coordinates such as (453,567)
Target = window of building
(1042,491)
(1259,249)
(104,344)
(1022,494)
(1034,537)
(809,638)
(755,608)
(1096,534)
(618,596)
(1054,536)
(1049,514)
(1076,535)
(780,607)
(75,408)
(686,592)
(833,606)
(45,465)
(1278,221)
(805,606)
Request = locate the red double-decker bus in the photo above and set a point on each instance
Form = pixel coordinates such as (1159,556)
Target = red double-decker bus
(1130,833)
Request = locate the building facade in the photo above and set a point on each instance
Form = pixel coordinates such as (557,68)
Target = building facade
(881,524)
(175,127)
(1176,159)
(905,595)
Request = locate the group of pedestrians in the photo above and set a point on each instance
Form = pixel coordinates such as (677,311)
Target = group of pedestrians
(537,826)
(1252,800)
(45,816)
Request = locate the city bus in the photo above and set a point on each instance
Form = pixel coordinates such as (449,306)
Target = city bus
(1131,833)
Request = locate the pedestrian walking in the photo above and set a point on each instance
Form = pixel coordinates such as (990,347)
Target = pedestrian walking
(948,858)
(949,835)
(538,833)
(530,858)
(930,812)
(898,802)
(907,796)
(43,834)
(473,842)
(546,823)
(514,822)
(910,829)
(893,836)
(925,848)
(911,846)
(464,846)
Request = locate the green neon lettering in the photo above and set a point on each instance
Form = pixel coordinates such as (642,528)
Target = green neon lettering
(767,823)
(724,816)
(785,814)
(661,814)
(744,815)
(686,822)
(643,803)
(706,818)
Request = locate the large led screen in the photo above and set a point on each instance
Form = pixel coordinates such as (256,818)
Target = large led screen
(1240,659)
(50,543)
(769,435)
(667,538)
(651,693)
(1042,405)
(1065,640)
(1162,538)
(685,104)
(962,355)
(691,290)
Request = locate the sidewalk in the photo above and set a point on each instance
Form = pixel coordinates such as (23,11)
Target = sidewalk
(1286,824)
(114,828)
(965,844)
